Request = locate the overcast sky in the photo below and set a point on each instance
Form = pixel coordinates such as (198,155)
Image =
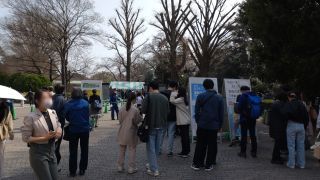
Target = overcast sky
(106,8)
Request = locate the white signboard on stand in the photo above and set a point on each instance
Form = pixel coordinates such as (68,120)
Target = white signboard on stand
(196,88)
(89,85)
(232,90)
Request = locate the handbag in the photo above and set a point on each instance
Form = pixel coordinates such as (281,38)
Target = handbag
(66,134)
(143,129)
(316,147)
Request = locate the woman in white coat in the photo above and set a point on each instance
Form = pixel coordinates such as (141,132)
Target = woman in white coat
(183,119)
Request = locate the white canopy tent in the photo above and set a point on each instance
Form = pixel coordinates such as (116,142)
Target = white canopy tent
(127,85)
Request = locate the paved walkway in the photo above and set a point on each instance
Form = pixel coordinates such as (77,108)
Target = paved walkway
(103,155)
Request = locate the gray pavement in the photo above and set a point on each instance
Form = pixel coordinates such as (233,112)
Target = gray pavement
(103,151)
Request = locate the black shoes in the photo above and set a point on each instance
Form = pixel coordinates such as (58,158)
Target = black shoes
(208,168)
(183,155)
(82,172)
(170,154)
(195,167)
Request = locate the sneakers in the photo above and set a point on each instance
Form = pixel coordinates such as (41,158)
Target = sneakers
(154,174)
(195,167)
(170,154)
(120,169)
(291,167)
(183,155)
(148,166)
(208,168)
(132,170)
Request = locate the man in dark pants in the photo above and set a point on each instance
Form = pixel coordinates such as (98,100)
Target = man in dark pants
(76,112)
(209,113)
(114,105)
(73,148)
(278,126)
(58,103)
(247,123)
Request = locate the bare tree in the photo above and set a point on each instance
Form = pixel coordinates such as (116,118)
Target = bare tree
(31,53)
(66,24)
(114,67)
(209,33)
(173,23)
(128,26)
(82,64)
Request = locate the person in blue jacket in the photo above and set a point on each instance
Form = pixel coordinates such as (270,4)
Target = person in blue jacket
(247,122)
(114,105)
(76,112)
(209,114)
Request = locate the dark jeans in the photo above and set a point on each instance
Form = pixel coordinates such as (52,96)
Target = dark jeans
(251,126)
(57,150)
(206,147)
(114,108)
(73,149)
(185,138)
(279,144)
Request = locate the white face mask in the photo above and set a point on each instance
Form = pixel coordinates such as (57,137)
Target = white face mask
(48,103)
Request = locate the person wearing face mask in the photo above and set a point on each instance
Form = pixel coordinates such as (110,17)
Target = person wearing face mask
(6,129)
(40,130)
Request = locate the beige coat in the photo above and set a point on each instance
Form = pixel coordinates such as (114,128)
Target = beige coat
(35,125)
(182,110)
(6,126)
(129,120)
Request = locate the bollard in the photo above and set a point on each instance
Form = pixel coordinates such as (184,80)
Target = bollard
(14,114)
(32,108)
(106,108)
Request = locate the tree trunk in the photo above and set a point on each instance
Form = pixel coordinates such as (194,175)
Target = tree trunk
(204,69)
(128,67)
(63,71)
(173,59)
(50,69)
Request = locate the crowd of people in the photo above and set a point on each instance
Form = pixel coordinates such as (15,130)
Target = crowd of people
(165,114)
(289,120)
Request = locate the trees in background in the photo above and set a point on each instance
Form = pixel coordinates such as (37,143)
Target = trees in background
(210,33)
(172,22)
(65,25)
(23,82)
(287,37)
(158,53)
(30,52)
(128,26)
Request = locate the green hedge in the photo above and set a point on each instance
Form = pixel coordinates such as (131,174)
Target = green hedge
(23,82)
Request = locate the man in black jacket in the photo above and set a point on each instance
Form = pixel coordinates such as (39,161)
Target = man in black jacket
(171,120)
(278,127)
